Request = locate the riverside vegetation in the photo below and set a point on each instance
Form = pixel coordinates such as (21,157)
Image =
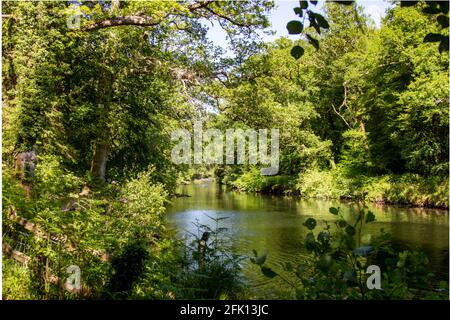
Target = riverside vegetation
(87,117)
(365,117)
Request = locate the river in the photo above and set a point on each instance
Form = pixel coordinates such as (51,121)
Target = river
(273,224)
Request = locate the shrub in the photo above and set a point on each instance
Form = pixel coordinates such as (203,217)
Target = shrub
(409,189)
(16,281)
(144,201)
(104,223)
(317,184)
(253,181)
(128,267)
(14,195)
(52,180)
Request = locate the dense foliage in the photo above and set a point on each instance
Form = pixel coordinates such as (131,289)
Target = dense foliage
(89,102)
(364,117)
(92,91)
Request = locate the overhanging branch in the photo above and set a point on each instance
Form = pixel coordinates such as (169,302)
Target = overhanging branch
(233,21)
(140,20)
(123,21)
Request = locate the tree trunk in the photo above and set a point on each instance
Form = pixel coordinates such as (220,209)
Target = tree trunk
(102,143)
(99,159)
(362,126)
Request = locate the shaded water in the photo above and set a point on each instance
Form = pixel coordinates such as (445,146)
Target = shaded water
(273,224)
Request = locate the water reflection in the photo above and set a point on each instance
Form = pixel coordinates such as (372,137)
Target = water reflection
(274,224)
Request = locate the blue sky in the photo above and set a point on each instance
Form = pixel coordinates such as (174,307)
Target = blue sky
(283,13)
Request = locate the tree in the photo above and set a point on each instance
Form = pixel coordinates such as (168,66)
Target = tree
(88,93)
(271,90)
(438,8)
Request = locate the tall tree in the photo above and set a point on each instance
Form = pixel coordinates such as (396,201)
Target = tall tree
(130,66)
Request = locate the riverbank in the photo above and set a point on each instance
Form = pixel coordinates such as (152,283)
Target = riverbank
(406,189)
(114,234)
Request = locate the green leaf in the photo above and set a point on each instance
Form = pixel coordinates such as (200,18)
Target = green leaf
(444,5)
(310,238)
(269,273)
(314,2)
(313,22)
(342,223)
(334,211)
(310,223)
(323,237)
(443,46)
(366,239)
(433,37)
(298,11)
(402,256)
(261,259)
(297,52)
(288,267)
(321,21)
(310,242)
(350,230)
(313,41)
(443,21)
(324,262)
(294,27)
(408,3)
(370,217)
(255,252)
(316,27)
(303,4)
(443,284)
(431,9)
(345,3)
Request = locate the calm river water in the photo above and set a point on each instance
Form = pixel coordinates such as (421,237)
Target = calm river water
(273,224)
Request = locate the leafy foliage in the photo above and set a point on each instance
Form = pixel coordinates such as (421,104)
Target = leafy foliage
(363,116)
(340,256)
(16,281)
(370,106)
(316,22)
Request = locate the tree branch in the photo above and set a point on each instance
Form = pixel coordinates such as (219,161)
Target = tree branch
(140,20)
(123,21)
(240,24)
(344,103)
